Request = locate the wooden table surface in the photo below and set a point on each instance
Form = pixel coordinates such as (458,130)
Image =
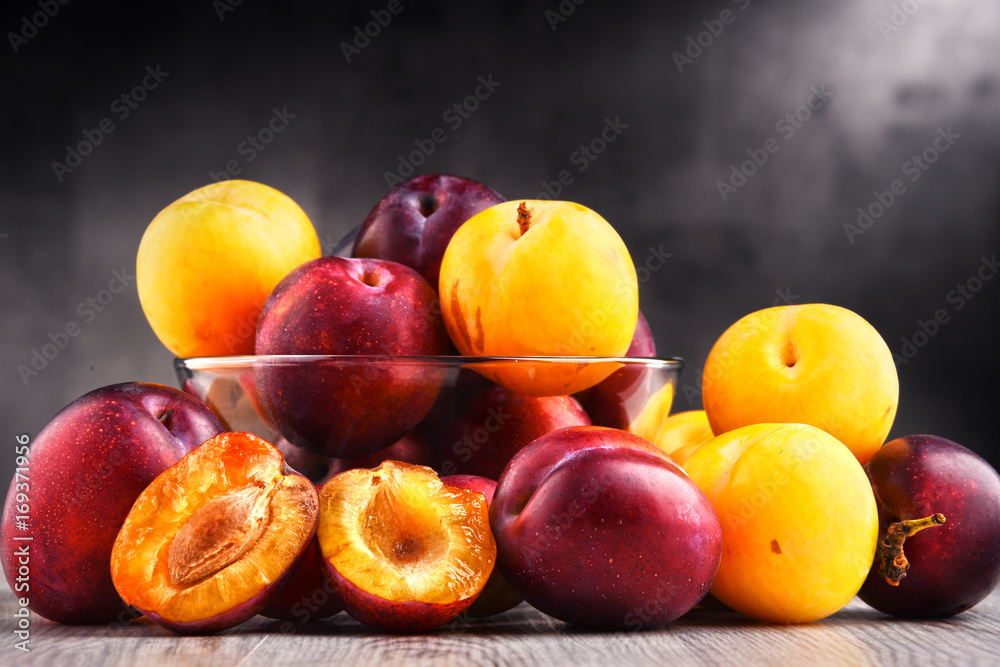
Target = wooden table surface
(857,635)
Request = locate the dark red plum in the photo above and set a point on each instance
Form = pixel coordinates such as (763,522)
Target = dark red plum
(624,392)
(497,424)
(953,565)
(307,596)
(597,527)
(83,472)
(370,308)
(414,222)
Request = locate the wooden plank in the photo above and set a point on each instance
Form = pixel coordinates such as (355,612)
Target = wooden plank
(857,635)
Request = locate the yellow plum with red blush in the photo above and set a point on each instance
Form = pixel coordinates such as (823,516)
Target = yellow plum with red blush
(540,278)
(208,261)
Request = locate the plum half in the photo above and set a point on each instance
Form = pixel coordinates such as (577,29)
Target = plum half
(403,551)
(211,539)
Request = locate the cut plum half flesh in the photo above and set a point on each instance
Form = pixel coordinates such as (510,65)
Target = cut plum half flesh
(211,539)
(404,550)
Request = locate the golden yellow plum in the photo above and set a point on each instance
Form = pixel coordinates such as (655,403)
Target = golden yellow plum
(811,364)
(799,520)
(208,261)
(540,278)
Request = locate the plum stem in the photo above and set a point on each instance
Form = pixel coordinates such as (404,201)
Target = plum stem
(523,217)
(165,416)
(893,565)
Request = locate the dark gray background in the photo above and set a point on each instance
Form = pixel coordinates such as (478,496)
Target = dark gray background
(782,231)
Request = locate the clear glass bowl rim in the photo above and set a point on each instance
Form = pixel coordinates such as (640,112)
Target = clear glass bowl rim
(245,361)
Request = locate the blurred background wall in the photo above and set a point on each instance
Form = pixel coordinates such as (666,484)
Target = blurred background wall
(748,135)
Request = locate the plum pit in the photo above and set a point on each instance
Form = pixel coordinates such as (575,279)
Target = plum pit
(218,534)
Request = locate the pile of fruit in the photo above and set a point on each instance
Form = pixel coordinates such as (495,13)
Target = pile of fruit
(779,499)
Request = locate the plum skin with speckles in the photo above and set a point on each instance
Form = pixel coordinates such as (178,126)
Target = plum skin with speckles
(598,528)
(952,566)
(86,468)
(344,306)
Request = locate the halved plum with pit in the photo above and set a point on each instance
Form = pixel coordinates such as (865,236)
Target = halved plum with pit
(403,551)
(211,539)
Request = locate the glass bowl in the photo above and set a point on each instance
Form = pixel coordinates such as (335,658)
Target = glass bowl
(355,406)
